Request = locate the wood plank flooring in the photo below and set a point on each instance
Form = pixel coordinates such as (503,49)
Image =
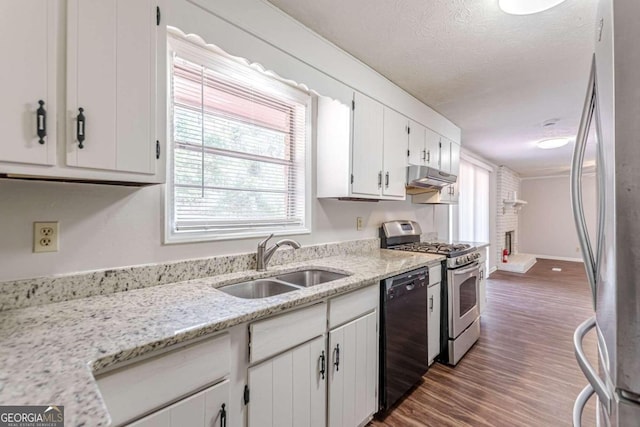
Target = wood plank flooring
(522,371)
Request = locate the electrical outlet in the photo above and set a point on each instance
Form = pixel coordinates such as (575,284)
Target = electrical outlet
(359,223)
(45,237)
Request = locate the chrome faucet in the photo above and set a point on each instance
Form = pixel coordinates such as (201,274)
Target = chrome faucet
(264,254)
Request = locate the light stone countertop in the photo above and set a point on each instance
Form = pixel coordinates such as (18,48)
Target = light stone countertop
(48,353)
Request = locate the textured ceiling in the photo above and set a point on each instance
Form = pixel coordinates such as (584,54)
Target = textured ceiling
(497,76)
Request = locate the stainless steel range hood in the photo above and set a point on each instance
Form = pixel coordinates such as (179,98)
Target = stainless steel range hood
(426,177)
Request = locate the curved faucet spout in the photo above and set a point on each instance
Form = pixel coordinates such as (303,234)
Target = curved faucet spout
(263,254)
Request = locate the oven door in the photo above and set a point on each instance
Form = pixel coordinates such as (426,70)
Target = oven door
(463,298)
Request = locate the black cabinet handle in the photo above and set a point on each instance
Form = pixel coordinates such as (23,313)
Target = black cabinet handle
(431,304)
(428,156)
(386,180)
(322,368)
(223,416)
(80,127)
(42,122)
(380,179)
(424,155)
(337,357)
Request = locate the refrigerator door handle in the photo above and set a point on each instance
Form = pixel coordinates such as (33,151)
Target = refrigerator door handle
(578,406)
(576,180)
(595,382)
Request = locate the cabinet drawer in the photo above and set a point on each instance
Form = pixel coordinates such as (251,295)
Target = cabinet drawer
(435,274)
(348,307)
(140,387)
(280,333)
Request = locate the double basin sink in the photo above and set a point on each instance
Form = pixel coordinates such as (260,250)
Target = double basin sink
(280,284)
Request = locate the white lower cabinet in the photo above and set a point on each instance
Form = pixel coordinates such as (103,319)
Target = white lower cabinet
(433,321)
(207,408)
(289,389)
(482,291)
(353,367)
(296,371)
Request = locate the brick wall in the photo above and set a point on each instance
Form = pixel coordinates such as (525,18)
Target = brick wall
(506,220)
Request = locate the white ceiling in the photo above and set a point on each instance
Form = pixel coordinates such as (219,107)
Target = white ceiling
(497,76)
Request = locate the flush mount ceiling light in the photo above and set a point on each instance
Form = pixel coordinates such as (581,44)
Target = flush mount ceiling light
(526,7)
(547,144)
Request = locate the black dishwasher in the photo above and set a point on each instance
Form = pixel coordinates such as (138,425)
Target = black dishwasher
(403,335)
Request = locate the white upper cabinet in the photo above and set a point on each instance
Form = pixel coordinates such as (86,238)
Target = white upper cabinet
(449,156)
(445,155)
(432,149)
(112,125)
(417,144)
(428,148)
(27,78)
(367,146)
(361,151)
(111,84)
(394,158)
(455,159)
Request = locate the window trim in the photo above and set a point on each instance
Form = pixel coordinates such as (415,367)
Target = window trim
(171,236)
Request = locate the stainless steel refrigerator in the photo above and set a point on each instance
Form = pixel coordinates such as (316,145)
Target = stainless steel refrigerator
(611,123)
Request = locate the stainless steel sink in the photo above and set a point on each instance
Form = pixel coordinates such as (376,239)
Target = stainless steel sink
(261,288)
(308,278)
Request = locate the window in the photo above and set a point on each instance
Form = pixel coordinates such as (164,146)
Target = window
(473,203)
(239,148)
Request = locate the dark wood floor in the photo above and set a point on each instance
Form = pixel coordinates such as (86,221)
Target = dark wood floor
(522,371)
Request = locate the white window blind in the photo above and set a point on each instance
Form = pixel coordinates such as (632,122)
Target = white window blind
(473,203)
(239,147)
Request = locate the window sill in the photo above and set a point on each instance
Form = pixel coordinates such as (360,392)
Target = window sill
(175,238)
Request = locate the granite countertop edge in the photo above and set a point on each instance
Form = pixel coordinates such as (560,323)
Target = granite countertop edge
(68,342)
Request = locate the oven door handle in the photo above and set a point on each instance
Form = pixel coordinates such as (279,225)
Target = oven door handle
(466,270)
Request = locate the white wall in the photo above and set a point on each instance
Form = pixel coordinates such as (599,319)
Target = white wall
(105,226)
(546,223)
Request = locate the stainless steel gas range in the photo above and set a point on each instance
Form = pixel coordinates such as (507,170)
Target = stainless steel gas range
(460,296)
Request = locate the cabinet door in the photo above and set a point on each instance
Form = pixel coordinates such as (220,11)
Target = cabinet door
(353,367)
(445,155)
(111,76)
(367,146)
(396,141)
(289,389)
(449,193)
(482,301)
(417,144)
(432,143)
(455,159)
(28,76)
(433,321)
(207,408)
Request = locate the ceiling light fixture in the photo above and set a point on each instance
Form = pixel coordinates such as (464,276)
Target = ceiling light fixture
(547,144)
(526,7)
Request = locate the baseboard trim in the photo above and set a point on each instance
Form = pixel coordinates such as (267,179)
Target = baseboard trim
(558,258)
(492,269)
